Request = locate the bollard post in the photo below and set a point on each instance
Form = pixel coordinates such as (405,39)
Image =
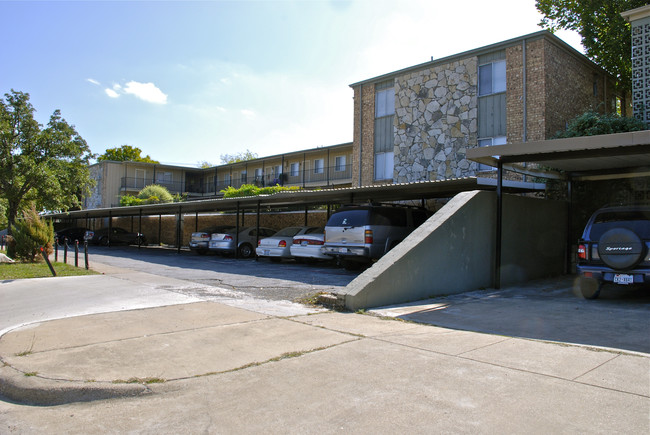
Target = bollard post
(47,260)
(86,253)
(65,250)
(76,253)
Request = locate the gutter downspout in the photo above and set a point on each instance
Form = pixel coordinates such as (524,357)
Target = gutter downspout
(524,135)
(360,133)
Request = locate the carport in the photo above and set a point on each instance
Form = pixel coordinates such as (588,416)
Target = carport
(419,191)
(603,157)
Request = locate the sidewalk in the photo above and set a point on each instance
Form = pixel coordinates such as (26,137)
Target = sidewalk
(321,372)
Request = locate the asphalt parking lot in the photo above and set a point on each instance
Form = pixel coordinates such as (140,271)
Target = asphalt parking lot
(227,276)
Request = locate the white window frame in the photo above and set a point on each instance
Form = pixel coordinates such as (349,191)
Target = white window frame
(164,177)
(339,164)
(497,79)
(385,102)
(384,165)
(319,166)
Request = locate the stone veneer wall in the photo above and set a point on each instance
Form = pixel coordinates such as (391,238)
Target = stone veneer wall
(436,121)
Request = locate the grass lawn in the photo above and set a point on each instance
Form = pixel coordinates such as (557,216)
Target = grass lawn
(39,270)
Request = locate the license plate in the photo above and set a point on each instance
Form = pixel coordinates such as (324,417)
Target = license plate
(304,243)
(623,279)
(267,252)
(343,250)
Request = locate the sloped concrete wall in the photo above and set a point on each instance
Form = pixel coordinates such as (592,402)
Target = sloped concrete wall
(453,251)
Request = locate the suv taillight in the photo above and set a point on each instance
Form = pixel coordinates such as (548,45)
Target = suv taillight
(368,237)
(282,244)
(582,252)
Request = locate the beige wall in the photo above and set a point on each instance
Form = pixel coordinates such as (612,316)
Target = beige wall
(453,252)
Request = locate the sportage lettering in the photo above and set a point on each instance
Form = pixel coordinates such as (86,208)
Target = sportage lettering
(618,248)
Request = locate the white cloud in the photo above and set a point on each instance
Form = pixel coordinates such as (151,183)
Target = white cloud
(247,113)
(146,91)
(93,81)
(111,93)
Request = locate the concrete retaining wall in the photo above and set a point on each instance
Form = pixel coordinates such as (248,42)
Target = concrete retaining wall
(453,251)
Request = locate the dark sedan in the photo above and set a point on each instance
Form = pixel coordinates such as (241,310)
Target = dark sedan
(73,234)
(116,236)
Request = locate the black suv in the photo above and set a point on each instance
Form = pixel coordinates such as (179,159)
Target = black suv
(615,248)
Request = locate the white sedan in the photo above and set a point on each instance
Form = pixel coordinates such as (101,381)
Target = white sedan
(307,246)
(278,246)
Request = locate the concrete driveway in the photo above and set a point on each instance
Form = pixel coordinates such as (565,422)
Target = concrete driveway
(548,310)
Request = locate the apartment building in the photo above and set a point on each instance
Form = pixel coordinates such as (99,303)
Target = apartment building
(323,167)
(416,124)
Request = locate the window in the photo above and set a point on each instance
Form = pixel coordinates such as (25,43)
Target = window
(489,141)
(226,180)
(339,165)
(277,170)
(384,163)
(384,100)
(243,176)
(258,173)
(318,166)
(163,177)
(492,78)
(295,169)
(384,141)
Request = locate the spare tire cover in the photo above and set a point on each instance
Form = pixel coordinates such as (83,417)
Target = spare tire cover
(620,248)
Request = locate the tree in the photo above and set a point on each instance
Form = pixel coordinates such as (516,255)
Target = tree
(239,157)
(32,233)
(605,33)
(48,166)
(126,153)
(204,164)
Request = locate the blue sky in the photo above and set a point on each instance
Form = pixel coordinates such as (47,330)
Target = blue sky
(189,81)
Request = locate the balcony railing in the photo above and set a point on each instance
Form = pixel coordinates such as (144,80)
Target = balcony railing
(304,178)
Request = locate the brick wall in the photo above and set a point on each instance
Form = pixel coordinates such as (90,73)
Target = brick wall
(366,114)
(570,88)
(152,226)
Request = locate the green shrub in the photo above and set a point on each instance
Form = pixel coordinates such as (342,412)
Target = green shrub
(252,190)
(593,123)
(128,200)
(155,194)
(30,233)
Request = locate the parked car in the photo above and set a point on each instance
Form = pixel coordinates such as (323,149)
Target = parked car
(72,234)
(200,240)
(307,247)
(117,236)
(359,234)
(224,243)
(278,246)
(614,248)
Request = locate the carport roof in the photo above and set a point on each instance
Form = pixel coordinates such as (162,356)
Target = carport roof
(604,154)
(376,193)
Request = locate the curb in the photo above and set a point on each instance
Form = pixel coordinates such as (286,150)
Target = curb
(34,390)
